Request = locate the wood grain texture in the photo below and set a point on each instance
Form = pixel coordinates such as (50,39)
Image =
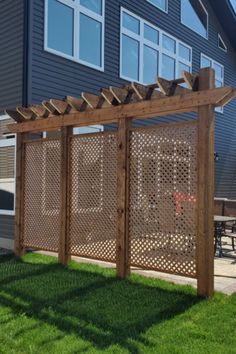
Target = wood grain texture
(205,236)
(122,256)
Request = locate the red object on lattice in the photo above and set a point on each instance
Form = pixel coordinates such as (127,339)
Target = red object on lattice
(179,198)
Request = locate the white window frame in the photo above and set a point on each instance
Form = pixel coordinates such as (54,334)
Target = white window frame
(158,47)
(78,9)
(221,39)
(213,61)
(7,143)
(158,7)
(205,10)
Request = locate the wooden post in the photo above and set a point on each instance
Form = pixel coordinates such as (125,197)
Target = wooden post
(63,254)
(205,235)
(122,254)
(19,199)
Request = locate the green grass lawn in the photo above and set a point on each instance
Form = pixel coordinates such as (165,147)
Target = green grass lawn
(46,308)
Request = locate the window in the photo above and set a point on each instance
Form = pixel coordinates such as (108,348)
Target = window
(74,29)
(207,62)
(221,43)
(7,169)
(160,4)
(195,16)
(147,51)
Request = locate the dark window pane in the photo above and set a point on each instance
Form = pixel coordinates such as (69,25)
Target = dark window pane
(6,200)
(130,58)
(194,16)
(60,27)
(90,40)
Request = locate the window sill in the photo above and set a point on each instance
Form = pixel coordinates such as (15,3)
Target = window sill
(68,57)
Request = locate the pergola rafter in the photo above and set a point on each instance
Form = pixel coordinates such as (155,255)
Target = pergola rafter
(135,100)
(191,93)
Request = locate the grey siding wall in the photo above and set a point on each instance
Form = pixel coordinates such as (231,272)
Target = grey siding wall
(11,53)
(54,76)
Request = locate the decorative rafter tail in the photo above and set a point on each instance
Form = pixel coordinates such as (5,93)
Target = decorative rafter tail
(94,101)
(227,98)
(171,88)
(40,111)
(26,113)
(191,80)
(108,96)
(50,108)
(78,104)
(15,115)
(61,107)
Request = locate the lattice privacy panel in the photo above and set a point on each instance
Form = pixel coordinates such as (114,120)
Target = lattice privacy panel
(163,183)
(92,205)
(41,224)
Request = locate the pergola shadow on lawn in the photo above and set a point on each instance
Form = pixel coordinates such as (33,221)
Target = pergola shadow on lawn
(92,305)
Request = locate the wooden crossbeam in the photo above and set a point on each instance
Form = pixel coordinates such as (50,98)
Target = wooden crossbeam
(40,111)
(170,88)
(191,80)
(228,97)
(15,115)
(61,107)
(144,109)
(26,113)
(77,103)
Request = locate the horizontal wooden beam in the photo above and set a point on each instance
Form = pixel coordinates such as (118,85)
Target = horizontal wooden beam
(144,109)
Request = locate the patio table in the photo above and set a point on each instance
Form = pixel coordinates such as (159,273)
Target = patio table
(220,223)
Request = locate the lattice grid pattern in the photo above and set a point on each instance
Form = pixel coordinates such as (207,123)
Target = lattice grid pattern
(41,224)
(163,183)
(92,205)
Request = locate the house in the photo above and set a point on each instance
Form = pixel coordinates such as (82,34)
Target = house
(54,48)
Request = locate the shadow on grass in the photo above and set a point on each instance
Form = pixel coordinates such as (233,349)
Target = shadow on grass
(89,304)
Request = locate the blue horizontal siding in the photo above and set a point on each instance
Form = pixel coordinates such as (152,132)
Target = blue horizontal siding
(54,76)
(11,55)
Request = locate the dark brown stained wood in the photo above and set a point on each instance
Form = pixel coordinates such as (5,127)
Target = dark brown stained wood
(26,113)
(19,212)
(122,247)
(77,103)
(191,80)
(40,111)
(15,115)
(61,107)
(171,88)
(63,254)
(50,108)
(94,101)
(205,212)
(144,109)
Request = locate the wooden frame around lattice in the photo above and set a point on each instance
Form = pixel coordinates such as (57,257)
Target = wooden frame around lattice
(121,105)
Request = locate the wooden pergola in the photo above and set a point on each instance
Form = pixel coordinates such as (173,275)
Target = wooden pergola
(121,105)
